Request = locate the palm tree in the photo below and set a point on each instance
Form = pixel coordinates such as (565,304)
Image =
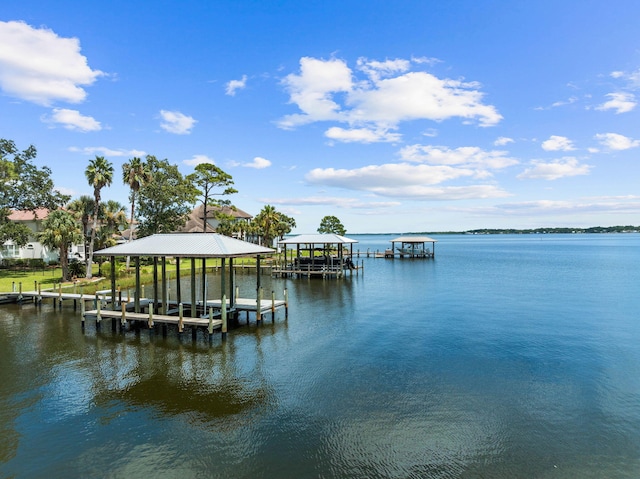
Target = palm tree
(61,230)
(83,208)
(135,173)
(99,174)
(113,217)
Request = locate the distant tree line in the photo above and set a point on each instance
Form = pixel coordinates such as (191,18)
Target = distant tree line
(592,229)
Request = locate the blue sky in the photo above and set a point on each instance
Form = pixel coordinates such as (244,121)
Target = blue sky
(394,116)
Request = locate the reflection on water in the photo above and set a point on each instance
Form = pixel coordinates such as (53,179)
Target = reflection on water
(504,357)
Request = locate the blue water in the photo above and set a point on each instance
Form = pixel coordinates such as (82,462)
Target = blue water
(511,356)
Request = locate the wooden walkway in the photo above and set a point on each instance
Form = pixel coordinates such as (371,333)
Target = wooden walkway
(210,318)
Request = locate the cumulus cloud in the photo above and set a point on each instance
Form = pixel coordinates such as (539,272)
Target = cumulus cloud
(404,180)
(361,135)
(554,170)
(338,201)
(388,94)
(234,85)
(105,151)
(258,163)
(558,143)
(37,65)
(620,102)
(615,141)
(503,140)
(198,160)
(556,207)
(467,156)
(176,122)
(72,120)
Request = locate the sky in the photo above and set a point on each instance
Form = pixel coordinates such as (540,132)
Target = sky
(394,116)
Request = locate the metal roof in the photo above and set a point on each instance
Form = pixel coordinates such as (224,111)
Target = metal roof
(318,239)
(186,245)
(414,239)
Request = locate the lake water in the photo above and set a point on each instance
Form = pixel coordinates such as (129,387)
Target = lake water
(510,356)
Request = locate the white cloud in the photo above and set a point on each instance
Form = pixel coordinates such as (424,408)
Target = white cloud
(234,85)
(361,135)
(39,66)
(468,156)
(558,143)
(503,140)
(198,160)
(555,170)
(340,202)
(405,181)
(620,102)
(176,122)
(258,163)
(327,90)
(377,69)
(109,152)
(73,120)
(628,205)
(614,141)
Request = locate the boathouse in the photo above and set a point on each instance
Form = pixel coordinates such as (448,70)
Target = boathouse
(195,247)
(319,255)
(411,247)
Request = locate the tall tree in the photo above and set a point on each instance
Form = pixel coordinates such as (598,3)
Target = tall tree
(99,174)
(60,231)
(165,202)
(83,208)
(136,174)
(270,224)
(207,178)
(25,187)
(331,224)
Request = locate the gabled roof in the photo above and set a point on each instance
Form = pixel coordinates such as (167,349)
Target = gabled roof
(414,239)
(194,221)
(318,239)
(186,245)
(19,215)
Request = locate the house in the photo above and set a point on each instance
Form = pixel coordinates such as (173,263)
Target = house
(34,249)
(195,221)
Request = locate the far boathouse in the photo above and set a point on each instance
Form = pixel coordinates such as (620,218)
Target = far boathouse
(411,247)
(317,255)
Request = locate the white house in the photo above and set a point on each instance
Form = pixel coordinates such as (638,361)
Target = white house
(34,249)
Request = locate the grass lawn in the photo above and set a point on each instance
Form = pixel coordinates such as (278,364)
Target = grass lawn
(49,278)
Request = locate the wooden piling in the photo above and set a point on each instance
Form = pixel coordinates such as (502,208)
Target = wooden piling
(223,314)
(181,318)
(258,306)
(150,315)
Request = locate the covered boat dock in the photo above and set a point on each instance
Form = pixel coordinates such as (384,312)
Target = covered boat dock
(317,255)
(412,247)
(193,309)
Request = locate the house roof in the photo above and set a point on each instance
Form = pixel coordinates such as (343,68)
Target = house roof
(186,245)
(414,239)
(318,239)
(19,215)
(194,222)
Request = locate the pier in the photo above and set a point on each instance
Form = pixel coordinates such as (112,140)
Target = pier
(317,255)
(194,310)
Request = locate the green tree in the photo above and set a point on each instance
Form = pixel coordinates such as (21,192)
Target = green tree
(136,174)
(99,174)
(83,208)
(207,178)
(165,202)
(270,224)
(332,225)
(24,187)
(60,231)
